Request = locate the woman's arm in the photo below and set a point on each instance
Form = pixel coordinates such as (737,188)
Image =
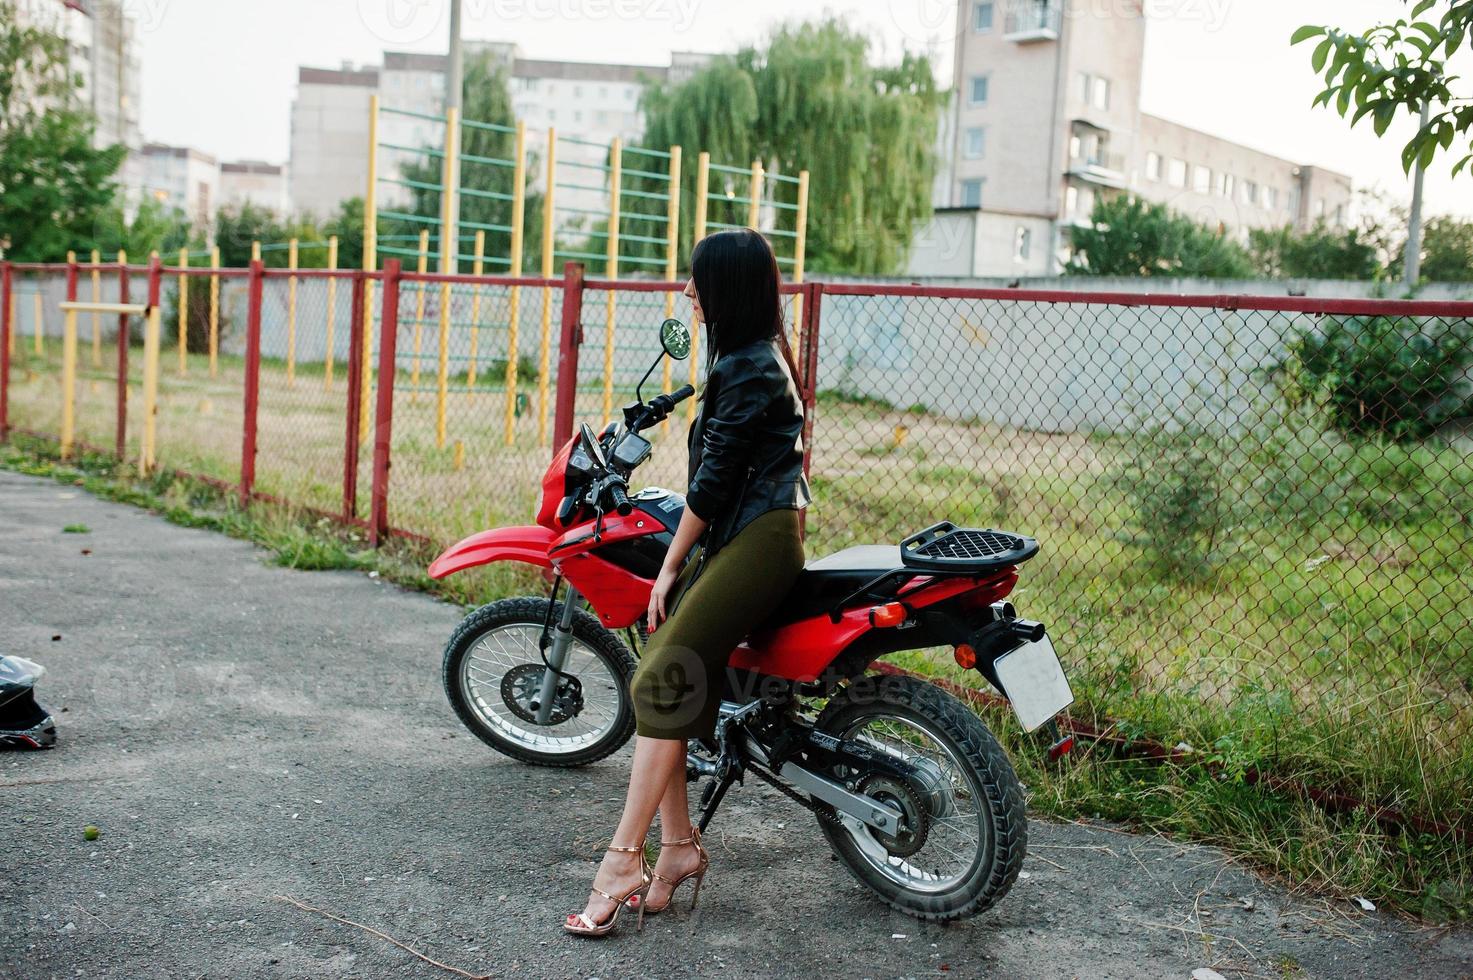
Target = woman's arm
(686,533)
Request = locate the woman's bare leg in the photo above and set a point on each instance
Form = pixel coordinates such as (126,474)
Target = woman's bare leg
(675,824)
(656,762)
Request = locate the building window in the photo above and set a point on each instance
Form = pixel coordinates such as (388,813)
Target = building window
(1339,215)
(982,17)
(1201,180)
(977,92)
(1100,93)
(1153,166)
(1176,173)
(1319,207)
(1022,244)
(976,143)
(1270,197)
(1248,192)
(1084,87)
(1225,184)
(1071,201)
(971,194)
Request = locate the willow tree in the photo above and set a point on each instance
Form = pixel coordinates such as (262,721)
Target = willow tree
(485,187)
(810,99)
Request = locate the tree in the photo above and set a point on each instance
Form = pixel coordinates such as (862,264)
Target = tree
(485,99)
(1131,237)
(1319,253)
(1399,67)
(54,185)
(811,100)
(236,228)
(1447,250)
(347,224)
(152,227)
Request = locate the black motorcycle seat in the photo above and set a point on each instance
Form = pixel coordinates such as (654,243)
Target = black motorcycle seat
(825,581)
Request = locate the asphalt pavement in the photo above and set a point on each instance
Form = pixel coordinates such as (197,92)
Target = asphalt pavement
(242,734)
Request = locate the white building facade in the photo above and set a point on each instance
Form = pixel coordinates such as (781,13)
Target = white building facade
(1045,118)
(182,178)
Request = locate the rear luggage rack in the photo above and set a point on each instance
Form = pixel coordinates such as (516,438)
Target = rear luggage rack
(944,547)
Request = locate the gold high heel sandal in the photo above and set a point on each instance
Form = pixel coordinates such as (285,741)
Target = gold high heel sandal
(699,873)
(580,924)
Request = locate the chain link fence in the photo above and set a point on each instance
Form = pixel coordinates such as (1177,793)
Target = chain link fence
(1256,524)
(1255,516)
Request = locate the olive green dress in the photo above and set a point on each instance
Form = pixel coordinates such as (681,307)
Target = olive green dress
(677,685)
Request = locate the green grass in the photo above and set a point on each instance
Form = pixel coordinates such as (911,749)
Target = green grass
(1315,622)
(76,529)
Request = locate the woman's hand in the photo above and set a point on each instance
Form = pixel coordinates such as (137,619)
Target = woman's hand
(664,582)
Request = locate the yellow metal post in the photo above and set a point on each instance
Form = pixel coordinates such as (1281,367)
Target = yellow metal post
(255,251)
(616,157)
(549,226)
(150,390)
(703,192)
(37,326)
(96,317)
(291,313)
(422,266)
(754,195)
(672,253)
(449,233)
(332,311)
(478,266)
(800,247)
(215,312)
(370,264)
(68,383)
(183,313)
(514,306)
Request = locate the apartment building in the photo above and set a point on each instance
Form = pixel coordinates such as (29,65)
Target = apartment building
(592,102)
(102,47)
(1046,117)
(254,182)
(183,178)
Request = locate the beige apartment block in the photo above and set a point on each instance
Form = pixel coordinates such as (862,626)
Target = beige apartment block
(1045,118)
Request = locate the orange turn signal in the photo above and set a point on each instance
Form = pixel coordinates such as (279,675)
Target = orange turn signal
(890,614)
(965,656)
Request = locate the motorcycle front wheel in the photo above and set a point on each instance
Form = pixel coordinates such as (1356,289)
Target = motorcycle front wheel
(493,674)
(964,829)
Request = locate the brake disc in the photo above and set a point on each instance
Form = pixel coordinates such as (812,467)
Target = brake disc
(521,684)
(915,822)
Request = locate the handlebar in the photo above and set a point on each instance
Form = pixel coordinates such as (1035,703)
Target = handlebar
(620,499)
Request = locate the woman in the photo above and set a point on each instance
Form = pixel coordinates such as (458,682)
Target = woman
(746,487)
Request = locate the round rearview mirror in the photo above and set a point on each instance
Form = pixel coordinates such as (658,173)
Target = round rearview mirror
(675,338)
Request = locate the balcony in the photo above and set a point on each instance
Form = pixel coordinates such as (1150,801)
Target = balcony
(1026,21)
(1101,167)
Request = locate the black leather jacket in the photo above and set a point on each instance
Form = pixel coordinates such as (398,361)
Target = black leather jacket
(746,443)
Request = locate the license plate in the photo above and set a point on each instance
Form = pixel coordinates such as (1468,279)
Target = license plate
(1034,681)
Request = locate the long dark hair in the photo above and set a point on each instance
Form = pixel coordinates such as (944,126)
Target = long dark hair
(738,285)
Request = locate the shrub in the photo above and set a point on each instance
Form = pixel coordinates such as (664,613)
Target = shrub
(1392,377)
(1175,487)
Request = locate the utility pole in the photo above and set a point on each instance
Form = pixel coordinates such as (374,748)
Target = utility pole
(454,73)
(1413,261)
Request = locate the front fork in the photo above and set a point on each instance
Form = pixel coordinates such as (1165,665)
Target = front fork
(557,654)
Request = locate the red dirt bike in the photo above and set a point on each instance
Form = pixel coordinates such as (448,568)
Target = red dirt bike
(912,792)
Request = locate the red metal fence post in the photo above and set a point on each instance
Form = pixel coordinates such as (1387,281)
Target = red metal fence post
(252,383)
(355,400)
(378,524)
(808,354)
(122,430)
(7,283)
(567,364)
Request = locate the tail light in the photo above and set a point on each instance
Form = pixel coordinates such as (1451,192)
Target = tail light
(966,657)
(890,614)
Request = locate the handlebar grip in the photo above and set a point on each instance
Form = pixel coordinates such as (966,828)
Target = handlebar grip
(681,394)
(620,499)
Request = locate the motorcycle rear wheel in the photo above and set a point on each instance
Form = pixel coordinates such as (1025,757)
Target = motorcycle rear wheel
(962,769)
(492,661)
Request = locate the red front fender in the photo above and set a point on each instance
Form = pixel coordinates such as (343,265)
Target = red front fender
(528,543)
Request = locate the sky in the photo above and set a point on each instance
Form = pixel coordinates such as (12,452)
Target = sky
(221,76)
